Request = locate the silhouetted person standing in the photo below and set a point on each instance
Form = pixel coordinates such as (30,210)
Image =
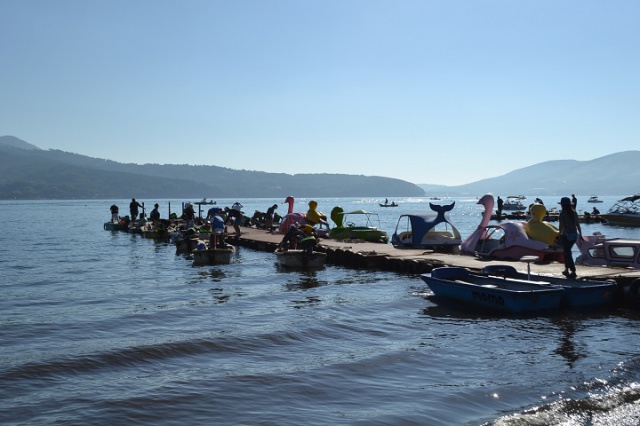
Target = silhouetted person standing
(133,209)
(569,227)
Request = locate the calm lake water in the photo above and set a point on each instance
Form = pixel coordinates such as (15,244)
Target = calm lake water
(104,328)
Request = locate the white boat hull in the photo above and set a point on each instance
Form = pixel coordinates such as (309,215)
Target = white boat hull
(218,256)
(300,259)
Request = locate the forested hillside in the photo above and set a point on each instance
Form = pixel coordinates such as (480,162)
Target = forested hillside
(27,172)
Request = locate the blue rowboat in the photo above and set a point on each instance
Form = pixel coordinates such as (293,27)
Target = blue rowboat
(577,292)
(502,294)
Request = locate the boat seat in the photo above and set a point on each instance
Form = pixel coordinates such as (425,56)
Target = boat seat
(435,235)
(406,236)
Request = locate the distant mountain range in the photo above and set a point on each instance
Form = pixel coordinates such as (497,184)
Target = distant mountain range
(28,172)
(615,174)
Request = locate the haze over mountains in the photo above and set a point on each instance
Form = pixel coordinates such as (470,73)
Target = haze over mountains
(28,172)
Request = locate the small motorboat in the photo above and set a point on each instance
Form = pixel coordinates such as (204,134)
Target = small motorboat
(431,230)
(392,204)
(510,295)
(594,199)
(205,255)
(598,250)
(357,225)
(577,292)
(300,259)
(625,212)
(513,203)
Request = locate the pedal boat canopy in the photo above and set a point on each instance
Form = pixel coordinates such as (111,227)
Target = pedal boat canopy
(431,230)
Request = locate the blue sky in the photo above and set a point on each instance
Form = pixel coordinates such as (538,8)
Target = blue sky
(442,92)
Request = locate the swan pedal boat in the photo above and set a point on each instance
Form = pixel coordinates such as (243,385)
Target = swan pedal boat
(577,292)
(510,295)
(300,259)
(509,240)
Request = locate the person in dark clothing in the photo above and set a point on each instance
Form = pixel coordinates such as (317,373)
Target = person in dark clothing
(189,215)
(133,209)
(237,217)
(114,213)
(155,214)
(291,238)
(570,231)
(574,202)
(271,211)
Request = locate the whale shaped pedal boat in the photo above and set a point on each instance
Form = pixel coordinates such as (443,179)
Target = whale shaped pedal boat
(431,230)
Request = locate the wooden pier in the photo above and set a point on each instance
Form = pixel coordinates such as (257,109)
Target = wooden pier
(365,255)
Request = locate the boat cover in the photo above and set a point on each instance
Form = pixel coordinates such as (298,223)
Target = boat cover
(421,223)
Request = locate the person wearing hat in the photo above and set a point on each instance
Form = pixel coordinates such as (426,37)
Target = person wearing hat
(569,227)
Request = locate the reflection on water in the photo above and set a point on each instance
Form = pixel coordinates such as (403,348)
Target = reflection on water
(303,280)
(567,347)
(306,302)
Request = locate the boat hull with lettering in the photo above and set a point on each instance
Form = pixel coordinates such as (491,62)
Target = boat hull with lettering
(578,293)
(510,296)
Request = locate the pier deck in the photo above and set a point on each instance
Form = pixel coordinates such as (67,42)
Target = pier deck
(416,261)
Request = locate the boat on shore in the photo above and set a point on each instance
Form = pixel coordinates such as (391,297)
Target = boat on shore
(577,292)
(512,295)
(625,212)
